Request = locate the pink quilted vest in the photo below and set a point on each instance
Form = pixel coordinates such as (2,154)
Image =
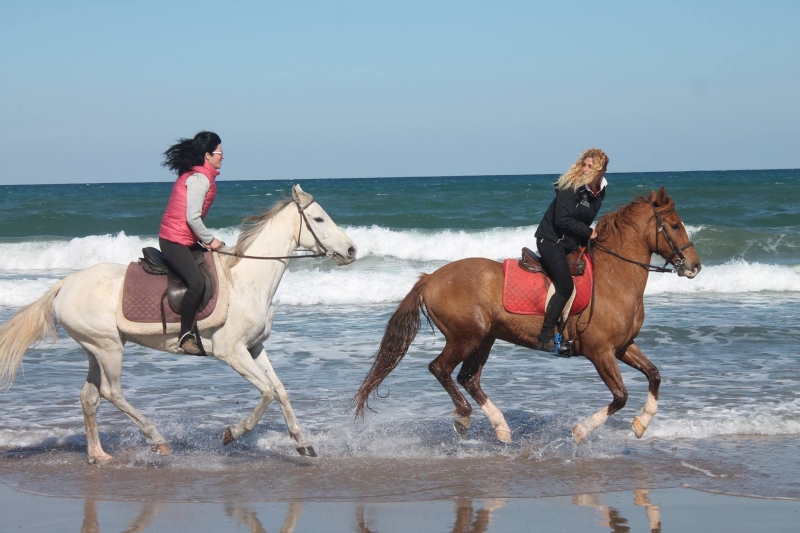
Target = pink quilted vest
(173,224)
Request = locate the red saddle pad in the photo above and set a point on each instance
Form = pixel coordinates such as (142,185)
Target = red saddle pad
(524,292)
(141,295)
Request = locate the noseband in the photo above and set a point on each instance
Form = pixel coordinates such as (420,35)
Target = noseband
(302,211)
(677,251)
(680,262)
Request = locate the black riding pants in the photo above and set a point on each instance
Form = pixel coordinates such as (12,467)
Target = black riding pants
(554,262)
(182,261)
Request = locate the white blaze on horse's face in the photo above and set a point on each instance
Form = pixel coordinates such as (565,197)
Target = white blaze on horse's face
(329,240)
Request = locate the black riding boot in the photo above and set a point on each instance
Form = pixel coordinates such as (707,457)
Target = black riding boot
(187,342)
(552,315)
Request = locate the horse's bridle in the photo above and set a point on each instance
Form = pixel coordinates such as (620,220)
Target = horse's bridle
(302,211)
(677,251)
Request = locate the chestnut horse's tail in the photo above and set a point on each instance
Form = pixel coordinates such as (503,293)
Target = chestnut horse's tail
(34,323)
(400,332)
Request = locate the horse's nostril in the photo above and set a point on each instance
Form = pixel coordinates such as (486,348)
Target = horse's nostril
(351,252)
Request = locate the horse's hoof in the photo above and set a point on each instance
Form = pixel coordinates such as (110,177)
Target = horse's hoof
(638,427)
(579,433)
(503,435)
(227,438)
(461,425)
(103,459)
(159,449)
(306,451)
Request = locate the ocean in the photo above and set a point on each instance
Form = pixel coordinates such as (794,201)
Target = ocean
(727,345)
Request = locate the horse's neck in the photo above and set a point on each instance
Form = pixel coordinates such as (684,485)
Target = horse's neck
(258,279)
(631,245)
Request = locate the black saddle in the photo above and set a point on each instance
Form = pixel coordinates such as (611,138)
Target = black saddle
(531,262)
(154,262)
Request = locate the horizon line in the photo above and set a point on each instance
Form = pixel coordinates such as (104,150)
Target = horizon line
(403,177)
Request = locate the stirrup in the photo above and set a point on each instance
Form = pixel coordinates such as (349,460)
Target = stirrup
(562,348)
(189,345)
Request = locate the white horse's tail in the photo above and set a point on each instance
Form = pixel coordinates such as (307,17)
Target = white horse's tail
(34,323)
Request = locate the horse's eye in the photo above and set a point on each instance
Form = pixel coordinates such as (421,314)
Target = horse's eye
(676,227)
(318,219)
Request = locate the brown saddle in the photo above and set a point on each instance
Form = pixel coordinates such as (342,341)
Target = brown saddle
(532,262)
(151,281)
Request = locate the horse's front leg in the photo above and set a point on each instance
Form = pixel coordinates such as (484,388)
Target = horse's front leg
(259,354)
(243,363)
(607,367)
(634,357)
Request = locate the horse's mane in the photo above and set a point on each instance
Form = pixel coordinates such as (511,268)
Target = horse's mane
(611,226)
(251,227)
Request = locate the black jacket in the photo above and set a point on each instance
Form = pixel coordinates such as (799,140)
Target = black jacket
(567,219)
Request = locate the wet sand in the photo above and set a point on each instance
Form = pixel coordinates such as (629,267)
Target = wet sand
(45,489)
(674,509)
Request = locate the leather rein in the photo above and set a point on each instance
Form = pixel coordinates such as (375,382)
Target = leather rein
(302,211)
(677,251)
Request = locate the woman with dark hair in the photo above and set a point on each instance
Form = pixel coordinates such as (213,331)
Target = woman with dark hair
(196,162)
(565,227)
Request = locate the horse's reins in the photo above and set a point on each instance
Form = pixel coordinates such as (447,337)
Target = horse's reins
(302,211)
(660,228)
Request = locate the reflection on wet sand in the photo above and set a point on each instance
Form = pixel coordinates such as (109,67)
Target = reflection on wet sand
(247,517)
(467,519)
(243,515)
(467,523)
(91,525)
(613,519)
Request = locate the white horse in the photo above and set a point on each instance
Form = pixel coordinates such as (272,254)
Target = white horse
(86,305)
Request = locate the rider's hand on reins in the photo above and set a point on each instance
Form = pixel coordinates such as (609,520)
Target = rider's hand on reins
(215,245)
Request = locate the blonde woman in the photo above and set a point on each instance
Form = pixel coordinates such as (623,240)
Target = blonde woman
(565,227)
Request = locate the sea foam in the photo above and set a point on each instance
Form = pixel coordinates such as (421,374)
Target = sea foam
(390,262)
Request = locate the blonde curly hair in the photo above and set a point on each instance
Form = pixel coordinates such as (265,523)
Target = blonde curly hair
(574,177)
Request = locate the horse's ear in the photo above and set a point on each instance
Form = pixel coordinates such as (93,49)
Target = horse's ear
(659,198)
(300,196)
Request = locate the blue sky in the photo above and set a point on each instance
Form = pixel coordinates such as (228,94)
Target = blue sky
(96,91)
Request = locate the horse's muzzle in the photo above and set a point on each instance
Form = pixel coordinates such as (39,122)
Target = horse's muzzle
(341,259)
(688,269)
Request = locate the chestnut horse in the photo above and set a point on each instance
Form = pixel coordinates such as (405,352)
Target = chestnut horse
(464,300)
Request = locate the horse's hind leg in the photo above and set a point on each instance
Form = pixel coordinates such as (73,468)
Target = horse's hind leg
(455,351)
(292,424)
(90,401)
(470,378)
(442,367)
(107,357)
(634,357)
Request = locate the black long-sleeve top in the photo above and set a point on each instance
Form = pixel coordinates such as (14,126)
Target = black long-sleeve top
(567,219)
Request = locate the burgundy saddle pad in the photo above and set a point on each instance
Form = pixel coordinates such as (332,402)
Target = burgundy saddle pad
(142,292)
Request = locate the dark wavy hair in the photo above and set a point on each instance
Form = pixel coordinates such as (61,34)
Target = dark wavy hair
(188,153)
